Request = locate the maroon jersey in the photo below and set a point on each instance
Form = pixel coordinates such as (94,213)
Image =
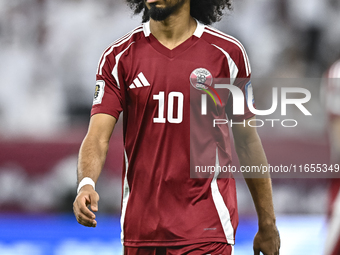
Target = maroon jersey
(162,115)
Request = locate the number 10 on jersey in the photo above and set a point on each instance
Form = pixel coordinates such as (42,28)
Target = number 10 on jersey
(160,97)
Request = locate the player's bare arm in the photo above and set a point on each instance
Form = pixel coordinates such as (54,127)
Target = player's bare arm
(250,152)
(92,157)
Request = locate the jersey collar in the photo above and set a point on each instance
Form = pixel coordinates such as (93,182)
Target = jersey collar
(146,28)
(198,32)
(199,29)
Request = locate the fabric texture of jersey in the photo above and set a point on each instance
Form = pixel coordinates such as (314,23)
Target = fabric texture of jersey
(165,133)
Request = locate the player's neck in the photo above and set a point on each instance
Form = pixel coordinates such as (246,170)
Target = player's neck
(175,29)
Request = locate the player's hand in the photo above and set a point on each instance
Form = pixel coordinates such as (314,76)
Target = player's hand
(86,198)
(267,241)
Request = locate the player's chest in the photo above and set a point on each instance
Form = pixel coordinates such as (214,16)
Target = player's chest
(148,76)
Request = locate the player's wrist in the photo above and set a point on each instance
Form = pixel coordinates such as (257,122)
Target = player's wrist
(86,181)
(266,224)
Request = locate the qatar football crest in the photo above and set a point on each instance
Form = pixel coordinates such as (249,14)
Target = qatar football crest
(201,78)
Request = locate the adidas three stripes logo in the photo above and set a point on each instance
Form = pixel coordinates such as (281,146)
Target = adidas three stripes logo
(139,82)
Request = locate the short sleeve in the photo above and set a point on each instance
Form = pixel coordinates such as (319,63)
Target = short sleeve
(107,97)
(243,82)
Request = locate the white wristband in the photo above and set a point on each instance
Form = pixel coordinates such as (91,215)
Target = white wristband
(86,181)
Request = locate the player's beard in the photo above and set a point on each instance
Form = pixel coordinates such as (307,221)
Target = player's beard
(160,14)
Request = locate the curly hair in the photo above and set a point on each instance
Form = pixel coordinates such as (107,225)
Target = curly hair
(205,11)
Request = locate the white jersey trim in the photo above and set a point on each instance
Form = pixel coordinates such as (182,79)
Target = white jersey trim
(115,68)
(126,194)
(199,29)
(221,207)
(115,42)
(232,66)
(226,37)
(119,43)
(146,28)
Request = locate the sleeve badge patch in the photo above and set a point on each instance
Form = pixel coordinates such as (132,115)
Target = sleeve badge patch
(99,92)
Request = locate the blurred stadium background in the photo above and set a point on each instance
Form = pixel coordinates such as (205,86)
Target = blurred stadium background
(49,50)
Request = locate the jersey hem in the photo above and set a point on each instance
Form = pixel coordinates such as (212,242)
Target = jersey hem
(175,243)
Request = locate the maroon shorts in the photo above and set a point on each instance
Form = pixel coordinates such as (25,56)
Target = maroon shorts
(193,249)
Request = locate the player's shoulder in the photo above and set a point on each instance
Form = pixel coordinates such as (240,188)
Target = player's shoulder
(121,43)
(222,40)
(229,46)
(118,47)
